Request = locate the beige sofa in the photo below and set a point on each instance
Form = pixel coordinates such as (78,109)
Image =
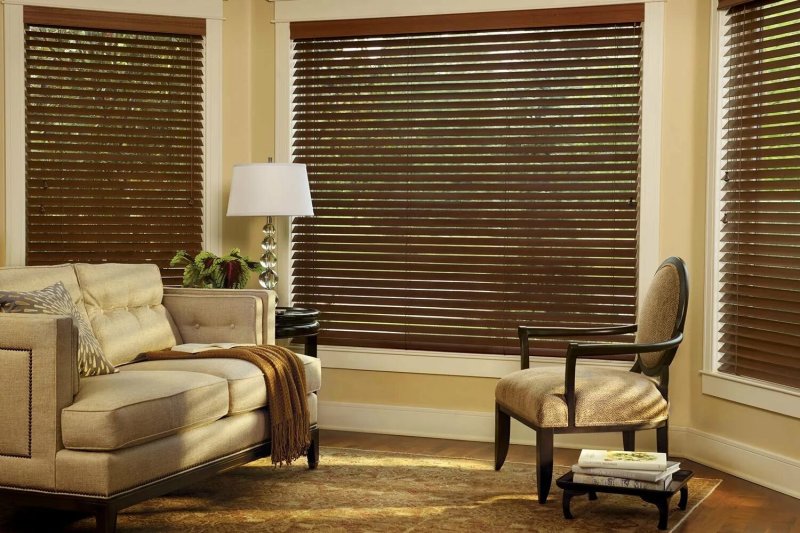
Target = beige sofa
(102,443)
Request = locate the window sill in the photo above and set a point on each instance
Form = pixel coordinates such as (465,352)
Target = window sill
(438,363)
(754,393)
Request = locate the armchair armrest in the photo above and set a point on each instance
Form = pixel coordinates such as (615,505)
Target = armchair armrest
(38,356)
(222,315)
(588,350)
(527,332)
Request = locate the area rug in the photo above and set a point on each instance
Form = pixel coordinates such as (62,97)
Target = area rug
(360,491)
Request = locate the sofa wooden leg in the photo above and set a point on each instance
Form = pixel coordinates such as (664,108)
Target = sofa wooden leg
(502,435)
(313,450)
(106,520)
(544,462)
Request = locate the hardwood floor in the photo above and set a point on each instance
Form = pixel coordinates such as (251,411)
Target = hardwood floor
(735,506)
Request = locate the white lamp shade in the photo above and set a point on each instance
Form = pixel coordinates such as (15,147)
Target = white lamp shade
(269,189)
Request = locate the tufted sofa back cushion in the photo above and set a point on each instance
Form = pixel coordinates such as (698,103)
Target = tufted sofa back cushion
(124,304)
(34,278)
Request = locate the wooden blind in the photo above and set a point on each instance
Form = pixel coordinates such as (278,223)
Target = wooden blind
(468,182)
(114,147)
(760,182)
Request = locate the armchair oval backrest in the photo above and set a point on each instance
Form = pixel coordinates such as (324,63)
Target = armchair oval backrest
(662,314)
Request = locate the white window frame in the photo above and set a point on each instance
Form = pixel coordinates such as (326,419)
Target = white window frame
(14,41)
(428,362)
(747,391)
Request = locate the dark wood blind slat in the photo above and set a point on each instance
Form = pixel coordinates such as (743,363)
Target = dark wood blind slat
(466,183)
(759,306)
(114,155)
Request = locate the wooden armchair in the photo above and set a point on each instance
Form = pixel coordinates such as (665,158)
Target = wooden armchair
(589,400)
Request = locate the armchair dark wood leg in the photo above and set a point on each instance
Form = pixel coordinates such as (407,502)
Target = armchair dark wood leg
(662,439)
(502,436)
(106,520)
(544,462)
(629,440)
(313,450)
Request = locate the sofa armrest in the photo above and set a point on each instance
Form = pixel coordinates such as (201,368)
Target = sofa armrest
(38,359)
(222,315)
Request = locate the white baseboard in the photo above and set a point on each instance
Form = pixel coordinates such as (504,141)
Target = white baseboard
(771,470)
(759,466)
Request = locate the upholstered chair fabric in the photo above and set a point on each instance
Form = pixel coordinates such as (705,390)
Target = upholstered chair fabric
(603,397)
(124,304)
(576,397)
(658,312)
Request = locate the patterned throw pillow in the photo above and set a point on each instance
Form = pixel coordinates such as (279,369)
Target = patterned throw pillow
(55,300)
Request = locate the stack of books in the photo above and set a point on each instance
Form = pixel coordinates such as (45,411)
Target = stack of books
(636,470)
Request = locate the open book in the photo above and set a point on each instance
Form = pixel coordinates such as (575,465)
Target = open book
(200,347)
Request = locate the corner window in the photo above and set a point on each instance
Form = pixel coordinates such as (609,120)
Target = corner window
(753,302)
(758,187)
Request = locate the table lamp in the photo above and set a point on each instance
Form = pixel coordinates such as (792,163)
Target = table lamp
(269,189)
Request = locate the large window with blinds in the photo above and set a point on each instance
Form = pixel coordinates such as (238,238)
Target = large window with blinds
(114,137)
(758,268)
(469,175)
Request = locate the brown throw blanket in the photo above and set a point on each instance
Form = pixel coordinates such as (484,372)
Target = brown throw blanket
(286,393)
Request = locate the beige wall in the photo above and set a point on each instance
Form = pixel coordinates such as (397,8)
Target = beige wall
(248,108)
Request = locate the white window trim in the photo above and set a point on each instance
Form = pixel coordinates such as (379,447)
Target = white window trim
(747,391)
(425,362)
(14,32)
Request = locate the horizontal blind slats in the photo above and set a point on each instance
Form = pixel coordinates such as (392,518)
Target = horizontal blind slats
(759,301)
(467,183)
(114,152)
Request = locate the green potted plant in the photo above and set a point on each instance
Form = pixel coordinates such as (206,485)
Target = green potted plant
(208,270)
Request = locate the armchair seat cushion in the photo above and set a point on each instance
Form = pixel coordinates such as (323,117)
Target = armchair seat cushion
(129,408)
(603,397)
(246,384)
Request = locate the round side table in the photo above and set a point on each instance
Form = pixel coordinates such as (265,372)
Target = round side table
(298,322)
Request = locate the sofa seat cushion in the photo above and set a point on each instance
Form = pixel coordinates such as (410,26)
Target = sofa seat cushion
(129,408)
(246,385)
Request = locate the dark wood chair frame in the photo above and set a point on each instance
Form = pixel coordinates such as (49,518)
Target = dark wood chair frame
(105,508)
(544,436)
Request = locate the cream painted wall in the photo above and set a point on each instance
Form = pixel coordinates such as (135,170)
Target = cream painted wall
(248,107)
(237,90)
